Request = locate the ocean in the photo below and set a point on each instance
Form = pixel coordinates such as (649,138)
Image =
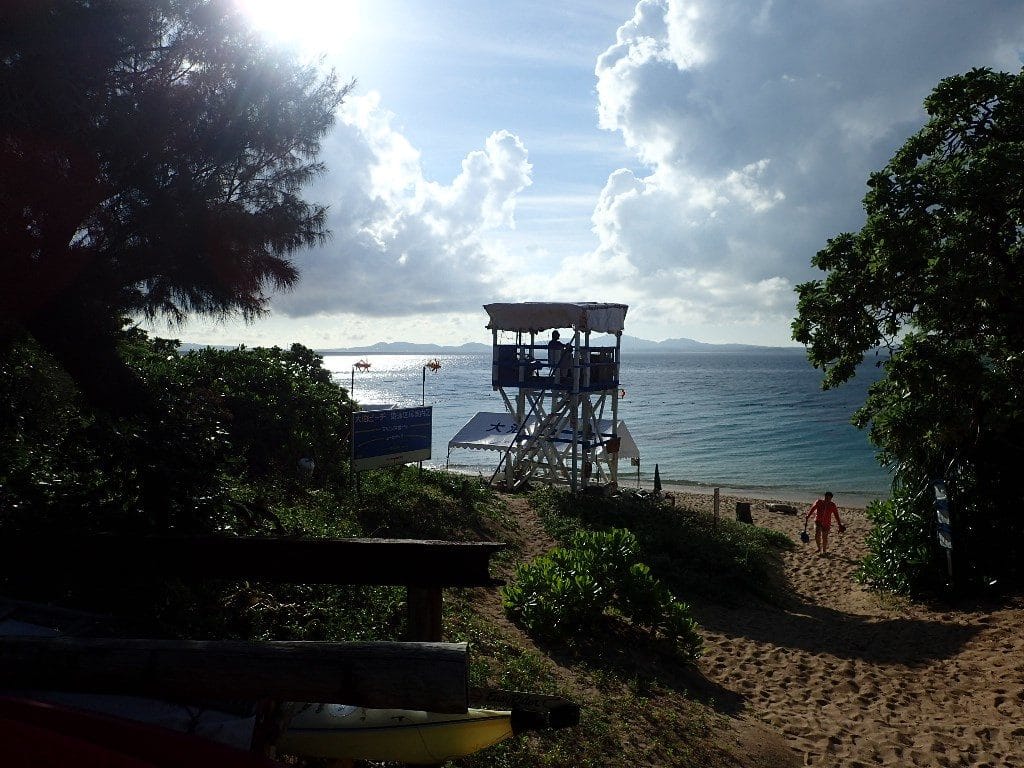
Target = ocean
(755,423)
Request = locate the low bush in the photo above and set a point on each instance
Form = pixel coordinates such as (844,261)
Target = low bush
(570,590)
(219,424)
(900,554)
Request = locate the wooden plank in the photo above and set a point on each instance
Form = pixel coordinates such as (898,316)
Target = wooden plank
(398,562)
(430,676)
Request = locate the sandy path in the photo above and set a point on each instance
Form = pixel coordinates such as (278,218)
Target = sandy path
(852,679)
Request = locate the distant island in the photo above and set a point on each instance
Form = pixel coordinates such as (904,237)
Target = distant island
(629,344)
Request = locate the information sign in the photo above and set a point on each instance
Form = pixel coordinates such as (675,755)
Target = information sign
(395,436)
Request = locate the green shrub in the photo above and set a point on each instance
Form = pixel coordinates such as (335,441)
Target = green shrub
(899,545)
(276,407)
(552,600)
(219,421)
(569,589)
(690,553)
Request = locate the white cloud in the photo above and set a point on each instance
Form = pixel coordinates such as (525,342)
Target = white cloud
(402,244)
(737,139)
(756,126)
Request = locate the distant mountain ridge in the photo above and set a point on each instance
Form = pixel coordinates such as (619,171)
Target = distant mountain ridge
(634,344)
(629,344)
(408,348)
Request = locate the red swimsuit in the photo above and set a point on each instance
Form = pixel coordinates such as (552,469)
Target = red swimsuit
(823,511)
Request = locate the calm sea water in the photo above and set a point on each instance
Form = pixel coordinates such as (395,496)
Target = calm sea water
(754,422)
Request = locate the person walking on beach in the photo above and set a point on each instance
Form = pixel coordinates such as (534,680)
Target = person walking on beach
(823,510)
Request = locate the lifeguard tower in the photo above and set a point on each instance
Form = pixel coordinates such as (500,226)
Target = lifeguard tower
(563,395)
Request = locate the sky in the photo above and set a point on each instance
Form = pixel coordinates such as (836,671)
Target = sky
(685,157)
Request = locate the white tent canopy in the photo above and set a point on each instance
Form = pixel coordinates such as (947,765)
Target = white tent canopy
(495,431)
(540,316)
(486,432)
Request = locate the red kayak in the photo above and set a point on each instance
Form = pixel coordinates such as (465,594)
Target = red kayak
(38,735)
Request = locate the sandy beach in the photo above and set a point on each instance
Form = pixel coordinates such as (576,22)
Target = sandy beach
(852,678)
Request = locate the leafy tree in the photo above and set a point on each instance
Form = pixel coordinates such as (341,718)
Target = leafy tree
(232,430)
(935,274)
(280,407)
(152,156)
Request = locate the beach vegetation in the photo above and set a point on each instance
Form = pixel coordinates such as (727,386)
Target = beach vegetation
(233,427)
(693,555)
(900,556)
(407,503)
(573,589)
(67,468)
(934,277)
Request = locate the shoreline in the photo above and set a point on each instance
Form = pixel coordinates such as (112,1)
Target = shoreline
(797,496)
(786,495)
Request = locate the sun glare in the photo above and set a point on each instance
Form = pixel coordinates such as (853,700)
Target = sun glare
(315,26)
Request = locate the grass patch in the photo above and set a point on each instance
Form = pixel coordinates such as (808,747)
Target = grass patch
(406,502)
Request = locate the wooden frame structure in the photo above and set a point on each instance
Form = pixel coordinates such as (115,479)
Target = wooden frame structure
(423,567)
(421,674)
(566,410)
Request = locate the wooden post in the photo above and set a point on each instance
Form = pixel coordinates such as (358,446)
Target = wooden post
(423,614)
(718,502)
(743,512)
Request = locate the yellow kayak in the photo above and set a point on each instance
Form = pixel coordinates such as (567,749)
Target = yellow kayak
(401,735)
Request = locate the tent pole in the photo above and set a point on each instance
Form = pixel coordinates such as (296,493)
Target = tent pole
(574,407)
(614,460)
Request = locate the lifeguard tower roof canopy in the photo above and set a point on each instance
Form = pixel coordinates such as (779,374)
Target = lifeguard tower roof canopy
(539,316)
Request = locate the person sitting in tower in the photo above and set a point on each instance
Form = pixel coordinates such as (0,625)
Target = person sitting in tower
(555,350)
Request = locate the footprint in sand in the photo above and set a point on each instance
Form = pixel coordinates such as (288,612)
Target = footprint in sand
(831,678)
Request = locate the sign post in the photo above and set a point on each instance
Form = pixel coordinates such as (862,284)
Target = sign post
(434,365)
(944,528)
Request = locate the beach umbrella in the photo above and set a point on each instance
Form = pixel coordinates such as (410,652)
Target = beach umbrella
(657,480)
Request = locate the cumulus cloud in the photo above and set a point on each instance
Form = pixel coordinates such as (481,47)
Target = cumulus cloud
(749,130)
(755,126)
(403,244)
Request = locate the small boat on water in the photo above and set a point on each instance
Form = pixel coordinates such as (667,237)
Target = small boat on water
(400,735)
(362,365)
